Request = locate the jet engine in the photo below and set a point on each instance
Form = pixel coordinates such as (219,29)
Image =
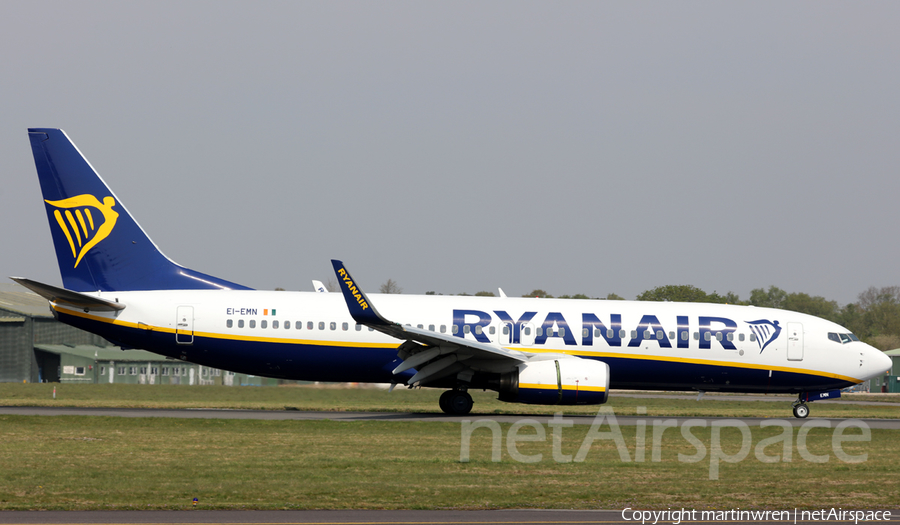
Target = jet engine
(567,381)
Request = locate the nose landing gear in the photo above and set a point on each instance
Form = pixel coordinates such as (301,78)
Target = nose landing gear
(801,410)
(799,405)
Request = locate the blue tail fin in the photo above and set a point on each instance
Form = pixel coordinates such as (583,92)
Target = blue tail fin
(99,246)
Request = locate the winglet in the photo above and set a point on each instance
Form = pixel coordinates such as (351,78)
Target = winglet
(360,307)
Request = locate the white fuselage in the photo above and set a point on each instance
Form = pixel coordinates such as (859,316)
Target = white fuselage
(648,345)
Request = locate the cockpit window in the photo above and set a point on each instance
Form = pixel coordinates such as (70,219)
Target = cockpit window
(842,338)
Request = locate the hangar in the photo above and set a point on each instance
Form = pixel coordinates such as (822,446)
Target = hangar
(892,379)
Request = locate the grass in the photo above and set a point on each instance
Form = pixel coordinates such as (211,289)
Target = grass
(334,398)
(70,463)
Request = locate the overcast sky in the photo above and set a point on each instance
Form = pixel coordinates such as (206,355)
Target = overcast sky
(576,147)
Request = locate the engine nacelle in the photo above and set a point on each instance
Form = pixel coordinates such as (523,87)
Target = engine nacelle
(572,381)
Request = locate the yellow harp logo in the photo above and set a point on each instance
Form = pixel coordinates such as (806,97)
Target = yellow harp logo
(77,220)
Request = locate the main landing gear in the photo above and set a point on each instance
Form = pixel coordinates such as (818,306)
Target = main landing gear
(801,410)
(456,402)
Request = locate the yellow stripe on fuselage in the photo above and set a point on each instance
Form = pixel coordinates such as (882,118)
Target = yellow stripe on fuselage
(532,350)
(229,337)
(694,361)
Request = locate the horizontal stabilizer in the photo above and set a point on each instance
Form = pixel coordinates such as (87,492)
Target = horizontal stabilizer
(68,297)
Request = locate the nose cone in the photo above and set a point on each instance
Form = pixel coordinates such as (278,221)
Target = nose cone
(873,362)
(882,361)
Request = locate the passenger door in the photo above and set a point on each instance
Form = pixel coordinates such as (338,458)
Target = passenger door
(795,342)
(184,325)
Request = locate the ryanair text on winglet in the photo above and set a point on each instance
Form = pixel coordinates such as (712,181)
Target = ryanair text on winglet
(352,288)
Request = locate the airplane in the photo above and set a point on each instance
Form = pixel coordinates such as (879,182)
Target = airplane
(118,284)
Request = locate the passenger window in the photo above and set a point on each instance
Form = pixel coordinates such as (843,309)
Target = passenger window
(585,332)
(467,329)
(479,330)
(707,336)
(634,334)
(419,326)
(332,325)
(527,330)
(253,323)
(431,327)
(443,328)
(671,335)
(229,323)
(648,334)
(321,325)
(684,336)
(240,323)
(505,329)
(274,324)
(740,337)
(696,336)
(454,329)
(609,334)
(358,327)
(622,334)
(730,336)
(309,325)
(539,331)
(718,336)
(263,323)
(345,326)
(752,338)
(561,333)
(298,325)
(493,330)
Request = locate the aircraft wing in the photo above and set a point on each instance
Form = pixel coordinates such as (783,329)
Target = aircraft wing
(441,354)
(68,297)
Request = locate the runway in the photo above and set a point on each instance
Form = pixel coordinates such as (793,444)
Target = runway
(362,517)
(889,424)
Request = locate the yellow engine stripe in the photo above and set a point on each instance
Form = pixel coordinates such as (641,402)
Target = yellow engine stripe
(537,386)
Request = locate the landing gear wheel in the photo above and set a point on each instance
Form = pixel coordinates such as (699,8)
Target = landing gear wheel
(801,411)
(444,401)
(456,403)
